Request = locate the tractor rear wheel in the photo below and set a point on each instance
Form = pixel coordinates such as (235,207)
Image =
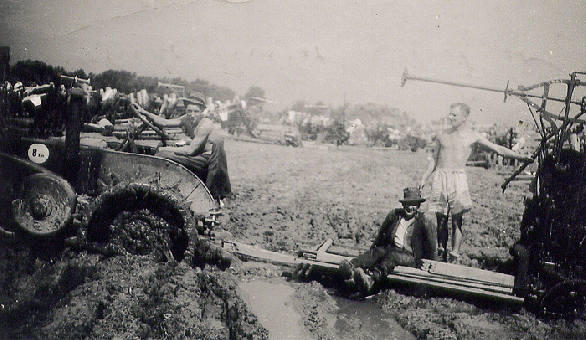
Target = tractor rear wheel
(140,219)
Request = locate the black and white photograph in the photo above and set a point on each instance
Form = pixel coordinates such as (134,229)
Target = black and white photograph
(289,169)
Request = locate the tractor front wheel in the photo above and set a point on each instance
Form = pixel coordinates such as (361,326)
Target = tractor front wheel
(44,204)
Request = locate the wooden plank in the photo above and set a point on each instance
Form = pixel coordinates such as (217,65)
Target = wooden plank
(433,276)
(473,280)
(421,274)
(346,251)
(249,252)
(325,245)
(447,270)
(454,270)
(455,288)
(330,258)
(336,250)
(323,255)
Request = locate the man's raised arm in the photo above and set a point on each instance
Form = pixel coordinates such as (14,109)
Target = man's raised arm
(501,150)
(161,121)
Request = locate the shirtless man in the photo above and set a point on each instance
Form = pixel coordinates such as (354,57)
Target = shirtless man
(203,154)
(449,186)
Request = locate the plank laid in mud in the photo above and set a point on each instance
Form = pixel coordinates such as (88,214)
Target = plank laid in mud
(455,288)
(450,278)
(409,272)
(252,253)
(468,273)
(346,251)
(440,269)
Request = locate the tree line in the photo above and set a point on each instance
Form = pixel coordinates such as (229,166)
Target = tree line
(31,72)
(35,72)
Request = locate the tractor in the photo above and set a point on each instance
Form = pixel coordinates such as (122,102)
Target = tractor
(66,186)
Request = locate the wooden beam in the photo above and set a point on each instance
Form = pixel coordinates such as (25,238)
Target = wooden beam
(421,274)
(455,288)
(454,270)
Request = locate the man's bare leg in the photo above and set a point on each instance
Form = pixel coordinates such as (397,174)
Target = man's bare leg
(456,234)
(442,235)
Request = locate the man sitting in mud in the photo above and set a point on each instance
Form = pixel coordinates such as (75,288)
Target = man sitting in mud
(405,237)
(204,153)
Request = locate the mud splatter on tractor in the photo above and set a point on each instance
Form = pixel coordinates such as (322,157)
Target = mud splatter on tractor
(54,186)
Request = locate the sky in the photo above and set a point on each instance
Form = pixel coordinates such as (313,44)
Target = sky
(336,51)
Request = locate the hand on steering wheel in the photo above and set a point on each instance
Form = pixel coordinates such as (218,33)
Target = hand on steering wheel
(136,110)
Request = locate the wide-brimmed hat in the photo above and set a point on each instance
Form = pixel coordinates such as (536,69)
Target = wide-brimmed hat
(412,195)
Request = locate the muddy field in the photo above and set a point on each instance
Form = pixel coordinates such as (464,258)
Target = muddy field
(284,199)
(288,198)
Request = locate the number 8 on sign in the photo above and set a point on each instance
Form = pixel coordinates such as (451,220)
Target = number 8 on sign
(38,153)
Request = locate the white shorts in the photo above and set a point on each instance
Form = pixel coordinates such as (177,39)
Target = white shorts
(449,192)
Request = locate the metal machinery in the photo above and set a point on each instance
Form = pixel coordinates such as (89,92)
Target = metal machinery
(47,163)
(553,228)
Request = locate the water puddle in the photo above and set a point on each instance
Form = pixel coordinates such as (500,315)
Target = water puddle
(373,322)
(272,302)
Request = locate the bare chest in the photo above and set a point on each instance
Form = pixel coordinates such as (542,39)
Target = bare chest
(455,148)
(456,141)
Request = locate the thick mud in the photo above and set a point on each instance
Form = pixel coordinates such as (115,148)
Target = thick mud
(87,296)
(291,198)
(284,199)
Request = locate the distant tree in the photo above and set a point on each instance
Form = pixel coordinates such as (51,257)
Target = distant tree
(79,73)
(198,85)
(179,81)
(34,71)
(60,70)
(121,80)
(299,106)
(252,94)
(221,93)
(148,83)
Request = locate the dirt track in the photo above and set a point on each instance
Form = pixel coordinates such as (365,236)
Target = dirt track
(284,199)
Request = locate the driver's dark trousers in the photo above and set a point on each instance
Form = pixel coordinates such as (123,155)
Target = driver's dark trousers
(210,167)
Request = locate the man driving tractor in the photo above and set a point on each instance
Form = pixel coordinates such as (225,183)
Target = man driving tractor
(203,153)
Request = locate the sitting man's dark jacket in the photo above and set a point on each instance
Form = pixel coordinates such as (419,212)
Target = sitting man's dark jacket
(384,254)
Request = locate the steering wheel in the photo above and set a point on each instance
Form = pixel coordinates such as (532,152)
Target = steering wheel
(136,111)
